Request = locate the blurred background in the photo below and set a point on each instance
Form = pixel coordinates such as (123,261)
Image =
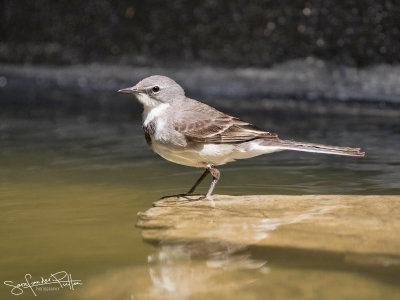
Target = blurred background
(75,169)
(285,52)
(220,33)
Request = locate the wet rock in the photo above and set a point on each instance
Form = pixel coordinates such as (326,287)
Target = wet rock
(304,247)
(350,224)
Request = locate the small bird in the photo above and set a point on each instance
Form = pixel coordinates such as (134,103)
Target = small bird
(191,133)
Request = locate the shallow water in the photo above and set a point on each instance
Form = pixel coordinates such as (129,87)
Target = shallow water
(71,185)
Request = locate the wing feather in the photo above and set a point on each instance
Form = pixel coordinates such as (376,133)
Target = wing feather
(220,129)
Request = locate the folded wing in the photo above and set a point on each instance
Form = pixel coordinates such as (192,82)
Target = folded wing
(219,128)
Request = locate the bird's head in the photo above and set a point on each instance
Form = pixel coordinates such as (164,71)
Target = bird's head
(155,90)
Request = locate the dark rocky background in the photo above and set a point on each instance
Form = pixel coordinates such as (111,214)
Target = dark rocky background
(324,57)
(220,33)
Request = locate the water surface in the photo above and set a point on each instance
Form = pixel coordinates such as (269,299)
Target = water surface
(71,184)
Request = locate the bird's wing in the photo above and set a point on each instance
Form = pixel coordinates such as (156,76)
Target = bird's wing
(211,126)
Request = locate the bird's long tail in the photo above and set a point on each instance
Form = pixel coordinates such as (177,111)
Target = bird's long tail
(310,147)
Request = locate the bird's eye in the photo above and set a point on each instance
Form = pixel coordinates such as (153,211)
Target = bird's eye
(155,89)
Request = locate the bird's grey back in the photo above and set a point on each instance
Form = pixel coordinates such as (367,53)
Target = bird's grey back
(190,109)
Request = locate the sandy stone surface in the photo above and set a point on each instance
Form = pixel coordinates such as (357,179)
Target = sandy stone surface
(361,225)
(285,247)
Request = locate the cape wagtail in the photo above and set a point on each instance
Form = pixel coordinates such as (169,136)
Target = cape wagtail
(191,133)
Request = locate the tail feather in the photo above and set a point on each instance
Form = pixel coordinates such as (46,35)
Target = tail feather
(319,148)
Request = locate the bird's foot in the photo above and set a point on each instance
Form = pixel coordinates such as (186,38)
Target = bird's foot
(202,197)
(210,198)
(175,195)
(184,195)
(191,197)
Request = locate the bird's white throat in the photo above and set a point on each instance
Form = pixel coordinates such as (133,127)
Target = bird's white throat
(151,108)
(150,113)
(147,101)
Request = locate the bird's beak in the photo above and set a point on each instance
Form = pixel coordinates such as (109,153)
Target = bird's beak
(131,90)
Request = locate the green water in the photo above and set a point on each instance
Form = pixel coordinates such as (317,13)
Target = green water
(71,185)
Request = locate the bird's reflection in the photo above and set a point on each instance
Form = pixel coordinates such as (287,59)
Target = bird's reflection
(201,267)
(178,271)
(185,268)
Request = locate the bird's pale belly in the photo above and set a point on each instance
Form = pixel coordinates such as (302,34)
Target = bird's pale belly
(199,158)
(215,154)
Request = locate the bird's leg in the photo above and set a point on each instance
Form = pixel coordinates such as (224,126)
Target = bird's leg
(204,175)
(216,175)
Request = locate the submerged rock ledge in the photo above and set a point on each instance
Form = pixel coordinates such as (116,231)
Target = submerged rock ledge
(351,224)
